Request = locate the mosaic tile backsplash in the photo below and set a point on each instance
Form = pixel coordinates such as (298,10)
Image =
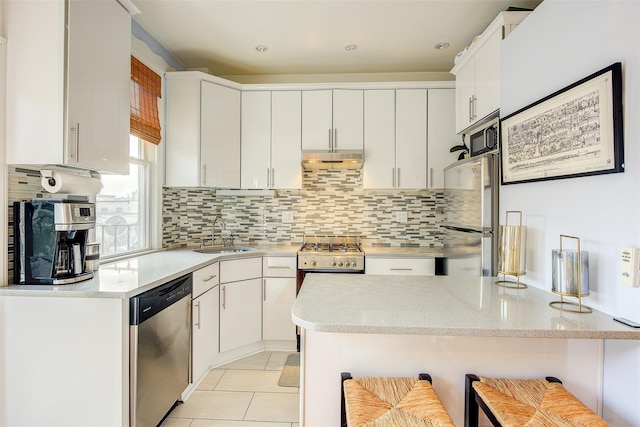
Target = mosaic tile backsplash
(332,201)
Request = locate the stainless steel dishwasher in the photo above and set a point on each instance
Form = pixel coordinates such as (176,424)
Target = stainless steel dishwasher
(159,350)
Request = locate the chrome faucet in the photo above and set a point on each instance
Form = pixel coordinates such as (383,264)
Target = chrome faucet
(213,229)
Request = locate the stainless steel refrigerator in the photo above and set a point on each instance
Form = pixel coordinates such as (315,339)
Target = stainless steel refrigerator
(471,216)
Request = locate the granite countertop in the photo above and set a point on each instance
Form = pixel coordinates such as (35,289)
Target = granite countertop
(130,277)
(441,306)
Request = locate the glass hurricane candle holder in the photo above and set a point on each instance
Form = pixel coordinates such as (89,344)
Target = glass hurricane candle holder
(512,246)
(570,277)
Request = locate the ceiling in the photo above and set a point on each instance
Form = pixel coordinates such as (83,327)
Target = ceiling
(309,36)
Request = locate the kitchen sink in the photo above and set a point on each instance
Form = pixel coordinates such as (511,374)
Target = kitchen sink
(222,250)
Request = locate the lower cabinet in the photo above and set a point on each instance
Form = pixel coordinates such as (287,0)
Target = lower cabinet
(401,266)
(278,296)
(205,325)
(240,302)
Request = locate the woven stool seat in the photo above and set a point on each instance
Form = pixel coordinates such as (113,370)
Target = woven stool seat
(526,402)
(392,401)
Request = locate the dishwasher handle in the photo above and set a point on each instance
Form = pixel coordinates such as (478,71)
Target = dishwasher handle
(150,303)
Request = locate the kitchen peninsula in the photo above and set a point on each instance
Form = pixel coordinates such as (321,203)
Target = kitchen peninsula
(446,326)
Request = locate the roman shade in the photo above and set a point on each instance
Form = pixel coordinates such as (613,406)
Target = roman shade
(144,91)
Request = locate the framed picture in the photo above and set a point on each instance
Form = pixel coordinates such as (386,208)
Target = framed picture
(574,132)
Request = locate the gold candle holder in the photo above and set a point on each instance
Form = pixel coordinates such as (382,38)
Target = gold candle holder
(512,244)
(570,277)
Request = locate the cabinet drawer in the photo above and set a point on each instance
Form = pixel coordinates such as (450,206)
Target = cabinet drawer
(240,269)
(279,266)
(401,266)
(205,279)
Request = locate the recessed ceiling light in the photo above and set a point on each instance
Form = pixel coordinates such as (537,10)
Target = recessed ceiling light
(351,47)
(262,48)
(441,45)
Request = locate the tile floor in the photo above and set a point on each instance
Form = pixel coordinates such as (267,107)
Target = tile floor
(244,393)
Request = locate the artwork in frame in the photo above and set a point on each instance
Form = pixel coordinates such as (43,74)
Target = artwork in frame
(574,132)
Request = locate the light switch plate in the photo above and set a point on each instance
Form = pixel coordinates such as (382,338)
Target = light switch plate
(630,266)
(401,216)
(287,217)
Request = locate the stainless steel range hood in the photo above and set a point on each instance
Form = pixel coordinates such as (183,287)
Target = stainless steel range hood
(332,160)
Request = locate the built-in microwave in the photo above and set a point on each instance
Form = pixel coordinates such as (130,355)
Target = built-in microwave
(485,137)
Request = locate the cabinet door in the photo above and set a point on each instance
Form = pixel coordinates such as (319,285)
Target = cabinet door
(240,314)
(441,134)
(348,120)
(378,170)
(256,140)
(465,93)
(220,136)
(286,125)
(279,295)
(182,132)
(98,82)
(317,123)
(411,138)
(488,76)
(204,332)
(279,266)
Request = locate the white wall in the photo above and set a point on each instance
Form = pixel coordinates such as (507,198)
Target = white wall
(561,42)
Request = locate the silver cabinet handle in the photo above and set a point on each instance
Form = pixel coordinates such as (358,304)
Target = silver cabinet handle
(198,317)
(204,174)
(273,177)
(335,139)
(76,142)
(268,178)
(224,297)
(470,103)
(393,177)
(431,177)
(277,266)
(213,276)
(398,179)
(264,289)
(400,269)
(472,107)
(330,141)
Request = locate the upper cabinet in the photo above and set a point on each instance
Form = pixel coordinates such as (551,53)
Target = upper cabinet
(395,123)
(441,134)
(271,123)
(68,103)
(332,120)
(202,131)
(478,72)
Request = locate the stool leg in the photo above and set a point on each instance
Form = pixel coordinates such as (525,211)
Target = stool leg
(343,410)
(424,377)
(470,404)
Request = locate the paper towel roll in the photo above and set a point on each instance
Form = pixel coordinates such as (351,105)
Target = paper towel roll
(61,182)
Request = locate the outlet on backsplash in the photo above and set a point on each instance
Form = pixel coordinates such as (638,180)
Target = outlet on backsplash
(287,217)
(401,217)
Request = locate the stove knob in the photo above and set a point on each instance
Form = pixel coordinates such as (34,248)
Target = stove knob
(333,264)
(347,264)
(340,264)
(313,263)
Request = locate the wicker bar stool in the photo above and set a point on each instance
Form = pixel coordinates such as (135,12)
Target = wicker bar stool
(525,402)
(391,402)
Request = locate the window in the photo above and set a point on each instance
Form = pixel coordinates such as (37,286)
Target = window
(122,212)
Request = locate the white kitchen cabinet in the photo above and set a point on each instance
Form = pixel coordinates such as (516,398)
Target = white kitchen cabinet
(441,134)
(278,296)
(395,139)
(68,104)
(202,131)
(332,120)
(401,266)
(271,123)
(240,303)
(205,323)
(478,72)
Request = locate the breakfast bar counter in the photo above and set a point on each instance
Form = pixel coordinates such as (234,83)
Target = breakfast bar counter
(442,305)
(404,325)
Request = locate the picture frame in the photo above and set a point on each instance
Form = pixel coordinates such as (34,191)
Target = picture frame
(574,132)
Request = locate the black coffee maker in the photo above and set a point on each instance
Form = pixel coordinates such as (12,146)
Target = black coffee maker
(50,240)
